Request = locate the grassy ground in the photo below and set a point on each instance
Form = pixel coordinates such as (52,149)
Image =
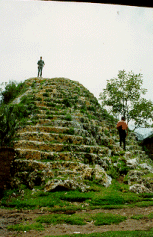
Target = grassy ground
(114,234)
(115,196)
(61,208)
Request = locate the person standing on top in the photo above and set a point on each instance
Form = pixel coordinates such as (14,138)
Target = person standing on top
(40,66)
(122,128)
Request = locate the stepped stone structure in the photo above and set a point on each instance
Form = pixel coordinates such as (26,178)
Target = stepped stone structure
(71,141)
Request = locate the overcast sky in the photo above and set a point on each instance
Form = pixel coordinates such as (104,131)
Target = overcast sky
(85,42)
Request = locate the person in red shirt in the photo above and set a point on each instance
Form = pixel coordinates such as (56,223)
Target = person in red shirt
(122,128)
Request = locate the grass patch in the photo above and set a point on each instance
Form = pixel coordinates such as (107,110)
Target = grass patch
(26,227)
(33,201)
(108,219)
(139,217)
(61,219)
(144,204)
(68,117)
(97,197)
(70,131)
(76,196)
(146,195)
(75,219)
(108,200)
(113,234)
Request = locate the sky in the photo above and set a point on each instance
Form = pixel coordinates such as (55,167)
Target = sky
(85,42)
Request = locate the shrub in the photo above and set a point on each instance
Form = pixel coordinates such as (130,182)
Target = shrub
(67,102)
(83,109)
(12,90)
(92,108)
(46,94)
(68,117)
(8,125)
(70,131)
(39,99)
(113,172)
(50,104)
(13,115)
(122,168)
(106,132)
(82,120)
(20,111)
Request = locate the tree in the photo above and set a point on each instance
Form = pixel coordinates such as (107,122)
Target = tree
(8,125)
(123,96)
(11,91)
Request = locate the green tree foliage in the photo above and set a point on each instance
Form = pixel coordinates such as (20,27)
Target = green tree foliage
(12,89)
(12,115)
(8,115)
(123,96)
(8,125)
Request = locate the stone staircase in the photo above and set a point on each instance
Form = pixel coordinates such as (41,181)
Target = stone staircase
(69,140)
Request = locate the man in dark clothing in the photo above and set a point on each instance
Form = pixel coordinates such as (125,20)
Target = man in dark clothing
(122,128)
(40,66)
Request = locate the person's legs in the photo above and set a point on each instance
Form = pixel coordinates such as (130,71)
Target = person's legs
(124,136)
(41,71)
(120,134)
(38,71)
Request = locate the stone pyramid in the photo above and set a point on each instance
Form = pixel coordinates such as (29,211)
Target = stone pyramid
(70,141)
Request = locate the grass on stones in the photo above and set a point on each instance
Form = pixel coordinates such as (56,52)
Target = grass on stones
(115,196)
(68,202)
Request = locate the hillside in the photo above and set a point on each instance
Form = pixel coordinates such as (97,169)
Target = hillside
(70,142)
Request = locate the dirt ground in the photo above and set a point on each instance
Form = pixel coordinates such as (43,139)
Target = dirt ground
(10,217)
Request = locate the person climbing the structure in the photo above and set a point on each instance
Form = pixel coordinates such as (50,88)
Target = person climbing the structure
(122,128)
(40,66)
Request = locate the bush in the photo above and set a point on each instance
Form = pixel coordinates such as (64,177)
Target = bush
(67,102)
(20,111)
(68,117)
(70,131)
(113,172)
(46,94)
(83,109)
(92,108)
(13,115)
(12,90)
(8,125)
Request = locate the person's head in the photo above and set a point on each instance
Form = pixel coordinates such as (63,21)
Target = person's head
(123,118)
(41,58)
